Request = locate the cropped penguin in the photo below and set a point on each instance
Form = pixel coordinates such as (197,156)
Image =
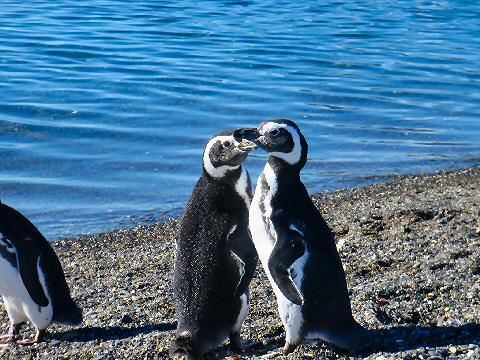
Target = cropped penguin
(32,281)
(215,257)
(295,245)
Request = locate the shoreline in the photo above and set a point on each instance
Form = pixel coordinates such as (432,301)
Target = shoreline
(154,215)
(410,249)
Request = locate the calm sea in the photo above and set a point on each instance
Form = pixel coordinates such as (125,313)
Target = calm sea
(106,105)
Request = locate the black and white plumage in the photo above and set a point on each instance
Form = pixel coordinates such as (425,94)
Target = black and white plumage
(32,281)
(215,257)
(295,245)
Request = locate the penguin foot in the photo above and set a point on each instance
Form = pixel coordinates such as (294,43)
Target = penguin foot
(236,342)
(289,348)
(13,332)
(38,339)
(6,339)
(25,342)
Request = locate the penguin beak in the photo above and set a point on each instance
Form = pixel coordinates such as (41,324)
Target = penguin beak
(247,138)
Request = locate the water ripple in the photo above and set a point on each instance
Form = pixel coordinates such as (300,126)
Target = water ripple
(106,106)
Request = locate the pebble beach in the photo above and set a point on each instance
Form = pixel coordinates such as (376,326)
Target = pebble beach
(410,249)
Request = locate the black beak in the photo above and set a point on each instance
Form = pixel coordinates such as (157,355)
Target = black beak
(246,134)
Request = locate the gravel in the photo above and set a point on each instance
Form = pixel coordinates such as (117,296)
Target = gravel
(410,248)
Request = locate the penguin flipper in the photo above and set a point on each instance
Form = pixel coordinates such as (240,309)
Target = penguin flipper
(24,237)
(249,270)
(28,256)
(240,289)
(289,247)
(245,257)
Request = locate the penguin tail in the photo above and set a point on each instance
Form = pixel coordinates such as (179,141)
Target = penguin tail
(69,315)
(183,346)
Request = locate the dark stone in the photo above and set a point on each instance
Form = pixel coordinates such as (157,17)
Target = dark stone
(476,267)
(127,319)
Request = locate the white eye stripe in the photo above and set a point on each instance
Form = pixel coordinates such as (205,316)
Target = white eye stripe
(222,139)
(295,154)
(271,126)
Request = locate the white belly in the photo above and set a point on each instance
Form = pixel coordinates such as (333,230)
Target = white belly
(18,303)
(242,315)
(263,239)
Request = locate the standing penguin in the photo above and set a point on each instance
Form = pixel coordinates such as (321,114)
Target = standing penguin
(215,256)
(296,246)
(32,281)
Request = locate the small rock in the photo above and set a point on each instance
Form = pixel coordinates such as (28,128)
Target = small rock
(452,350)
(476,266)
(440,321)
(126,319)
(470,354)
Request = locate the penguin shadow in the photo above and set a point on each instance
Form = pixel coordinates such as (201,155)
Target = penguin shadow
(403,338)
(396,339)
(109,333)
(251,348)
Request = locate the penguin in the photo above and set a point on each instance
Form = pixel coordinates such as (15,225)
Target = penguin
(32,281)
(295,245)
(215,256)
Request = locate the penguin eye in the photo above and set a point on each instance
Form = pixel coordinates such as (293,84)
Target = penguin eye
(274,132)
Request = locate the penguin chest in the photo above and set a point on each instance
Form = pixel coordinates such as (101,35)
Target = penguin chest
(10,282)
(18,302)
(261,227)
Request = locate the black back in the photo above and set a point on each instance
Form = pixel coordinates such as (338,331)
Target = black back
(206,274)
(30,246)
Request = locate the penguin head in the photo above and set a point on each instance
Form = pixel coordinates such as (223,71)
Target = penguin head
(223,154)
(281,138)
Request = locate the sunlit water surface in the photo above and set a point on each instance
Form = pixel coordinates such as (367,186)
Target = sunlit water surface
(106,106)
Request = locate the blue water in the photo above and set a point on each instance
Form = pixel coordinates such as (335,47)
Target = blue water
(105,105)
